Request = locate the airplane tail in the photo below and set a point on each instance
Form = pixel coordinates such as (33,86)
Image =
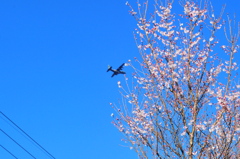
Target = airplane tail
(109,68)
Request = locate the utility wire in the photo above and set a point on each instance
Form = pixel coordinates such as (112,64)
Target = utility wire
(15,128)
(27,135)
(8,151)
(17,143)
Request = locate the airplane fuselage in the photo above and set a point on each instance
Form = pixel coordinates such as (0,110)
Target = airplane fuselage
(118,72)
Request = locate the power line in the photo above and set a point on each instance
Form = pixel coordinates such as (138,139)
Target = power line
(8,151)
(17,143)
(27,135)
(15,128)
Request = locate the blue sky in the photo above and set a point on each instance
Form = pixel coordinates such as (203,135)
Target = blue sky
(54,84)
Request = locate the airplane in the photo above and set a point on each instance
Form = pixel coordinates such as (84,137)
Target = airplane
(117,71)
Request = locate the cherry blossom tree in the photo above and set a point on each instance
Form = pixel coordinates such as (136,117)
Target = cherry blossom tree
(183,100)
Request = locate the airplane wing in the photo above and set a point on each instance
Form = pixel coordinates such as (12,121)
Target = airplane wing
(113,74)
(121,67)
